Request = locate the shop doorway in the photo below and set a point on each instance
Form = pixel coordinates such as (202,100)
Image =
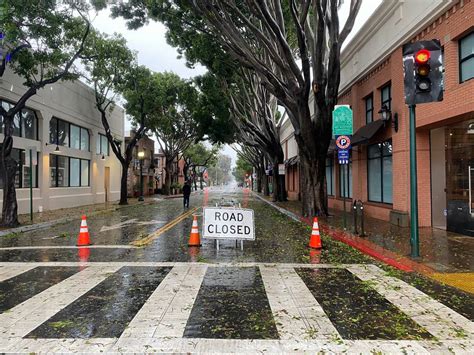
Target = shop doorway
(459,144)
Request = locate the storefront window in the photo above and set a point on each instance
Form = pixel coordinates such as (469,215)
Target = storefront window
(369,108)
(343,180)
(75,137)
(22,177)
(386,96)
(25,123)
(466,57)
(69,135)
(380,172)
(102,145)
(68,172)
(330,176)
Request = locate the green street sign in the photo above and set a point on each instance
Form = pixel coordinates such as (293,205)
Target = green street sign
(342,120)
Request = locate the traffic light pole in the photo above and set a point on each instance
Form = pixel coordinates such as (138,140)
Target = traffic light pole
(414,240)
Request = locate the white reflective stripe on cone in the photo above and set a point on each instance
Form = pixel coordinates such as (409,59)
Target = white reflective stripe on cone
(315,233)
(83,230)
(316,225)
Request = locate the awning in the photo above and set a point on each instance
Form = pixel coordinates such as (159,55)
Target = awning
(292,161)
(365,133)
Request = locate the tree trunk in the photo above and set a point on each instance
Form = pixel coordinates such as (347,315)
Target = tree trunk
(167,184)
(8,170)
(279,191)
(259,180)
(123,184)
(266,188)
(312,186)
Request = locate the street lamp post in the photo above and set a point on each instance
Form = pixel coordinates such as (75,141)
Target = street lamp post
(141,156)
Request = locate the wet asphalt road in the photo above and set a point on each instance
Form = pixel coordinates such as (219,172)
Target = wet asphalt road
(112,233)
(201,300)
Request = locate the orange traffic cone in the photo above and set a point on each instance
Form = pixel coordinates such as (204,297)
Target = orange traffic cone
(315,241)
(84,237)
(194,239)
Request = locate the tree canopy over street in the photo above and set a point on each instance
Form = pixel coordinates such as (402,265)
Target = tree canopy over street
(293,47)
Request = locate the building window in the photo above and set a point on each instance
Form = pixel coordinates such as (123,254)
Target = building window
(466,57)
(68,135)
(369,108)
(25,123)
(68,172)
(386,96)
(379,157)
(102,146)
(22,176)
(330,176)
(343,180)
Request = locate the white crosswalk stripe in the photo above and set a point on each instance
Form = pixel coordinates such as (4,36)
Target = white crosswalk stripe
(9,272)
(159,325)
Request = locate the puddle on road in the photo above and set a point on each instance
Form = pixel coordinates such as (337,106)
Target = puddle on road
(107,309)
(231,304)
(356,309)
(93,255)
(18,289)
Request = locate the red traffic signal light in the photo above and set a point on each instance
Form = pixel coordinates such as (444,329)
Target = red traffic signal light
(422,56)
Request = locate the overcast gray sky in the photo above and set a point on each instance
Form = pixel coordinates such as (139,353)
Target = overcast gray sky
(150,44)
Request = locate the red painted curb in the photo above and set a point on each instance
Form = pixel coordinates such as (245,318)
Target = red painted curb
(370,248)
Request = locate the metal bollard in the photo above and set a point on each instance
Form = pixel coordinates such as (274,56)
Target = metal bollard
(361,209)
(354,209)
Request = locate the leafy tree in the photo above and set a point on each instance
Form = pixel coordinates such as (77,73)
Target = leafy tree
(112,70)
(41,42)
(293,46)
(198,158)
(220,173)
(242,169)
(258,120)
(176,103)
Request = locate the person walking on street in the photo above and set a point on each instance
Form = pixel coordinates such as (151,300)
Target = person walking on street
(186,194)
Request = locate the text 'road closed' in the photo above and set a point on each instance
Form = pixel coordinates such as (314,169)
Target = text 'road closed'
(228,223)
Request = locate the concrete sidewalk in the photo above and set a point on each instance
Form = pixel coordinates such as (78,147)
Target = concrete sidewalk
(445,256)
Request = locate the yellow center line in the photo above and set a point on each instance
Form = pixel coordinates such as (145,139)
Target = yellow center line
(148,239)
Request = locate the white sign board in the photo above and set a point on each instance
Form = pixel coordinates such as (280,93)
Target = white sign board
(281,169)
(228,223)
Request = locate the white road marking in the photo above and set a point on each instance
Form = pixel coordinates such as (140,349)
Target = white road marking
(71,247)
(298,315)
(128,222)
(436,318)
(9,272)
(25,317)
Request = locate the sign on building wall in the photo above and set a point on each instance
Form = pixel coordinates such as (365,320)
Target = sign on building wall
(342,120)
(228,223)
(281,169)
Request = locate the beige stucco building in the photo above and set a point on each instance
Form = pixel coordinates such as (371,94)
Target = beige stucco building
(76,166)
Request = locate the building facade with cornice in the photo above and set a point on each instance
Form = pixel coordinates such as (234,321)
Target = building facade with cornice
(75,163)
(372,77)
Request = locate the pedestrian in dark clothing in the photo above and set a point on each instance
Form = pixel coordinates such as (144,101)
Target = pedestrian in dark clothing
(186,193)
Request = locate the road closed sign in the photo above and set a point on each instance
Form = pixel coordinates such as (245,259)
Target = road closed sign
(228,223)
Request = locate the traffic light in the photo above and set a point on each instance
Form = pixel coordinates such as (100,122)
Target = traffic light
(423,72)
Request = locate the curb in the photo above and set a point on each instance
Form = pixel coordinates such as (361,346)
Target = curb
(390,258)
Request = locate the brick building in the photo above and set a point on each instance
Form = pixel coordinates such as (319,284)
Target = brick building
(147,146)
(371,77)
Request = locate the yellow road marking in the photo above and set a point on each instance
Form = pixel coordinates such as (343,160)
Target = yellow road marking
(148,239)
(462,280)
